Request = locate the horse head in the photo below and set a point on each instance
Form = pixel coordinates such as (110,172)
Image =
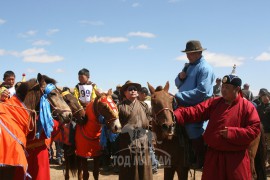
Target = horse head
(105,106)
(162,110)
(32,91)
(77,110)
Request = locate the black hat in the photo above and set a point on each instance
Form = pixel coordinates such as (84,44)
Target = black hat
(232,79)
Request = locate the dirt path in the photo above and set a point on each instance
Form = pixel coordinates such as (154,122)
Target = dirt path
(57,174)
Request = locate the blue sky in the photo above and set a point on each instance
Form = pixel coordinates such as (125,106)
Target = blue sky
(137,40)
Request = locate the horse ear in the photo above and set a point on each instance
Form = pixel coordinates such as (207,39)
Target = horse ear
(151,88)
(97,92)
(17,85)
(39,77)
(166,88)
(109,92)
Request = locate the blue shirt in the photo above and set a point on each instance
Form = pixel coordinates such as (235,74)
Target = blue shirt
(197,87)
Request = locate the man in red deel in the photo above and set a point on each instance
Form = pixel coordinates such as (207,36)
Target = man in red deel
(233,124)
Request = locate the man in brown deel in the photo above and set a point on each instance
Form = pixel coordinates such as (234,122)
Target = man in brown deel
(134,160)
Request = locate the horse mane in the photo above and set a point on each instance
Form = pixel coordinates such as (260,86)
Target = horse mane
(22,88)
(95,104)
(29,91)
(159,88)
(49,80)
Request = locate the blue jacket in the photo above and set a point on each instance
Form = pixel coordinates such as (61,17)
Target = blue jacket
(197,87)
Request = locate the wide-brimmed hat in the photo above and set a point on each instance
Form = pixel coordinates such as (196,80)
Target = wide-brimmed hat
(193,46)
(127,84)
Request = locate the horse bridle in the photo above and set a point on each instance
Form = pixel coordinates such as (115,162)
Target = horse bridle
(108,121)
(54,109)
(164,109)
(73,113)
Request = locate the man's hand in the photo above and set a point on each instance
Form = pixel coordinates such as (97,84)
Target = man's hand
(182,75)
(224,132)
(4,95)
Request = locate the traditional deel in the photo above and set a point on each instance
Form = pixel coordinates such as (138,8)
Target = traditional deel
(14,121)
(226,158)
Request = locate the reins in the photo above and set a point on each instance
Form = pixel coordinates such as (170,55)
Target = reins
(73,113)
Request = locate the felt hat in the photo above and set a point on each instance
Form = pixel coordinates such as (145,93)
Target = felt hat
(193,46)
(127,84)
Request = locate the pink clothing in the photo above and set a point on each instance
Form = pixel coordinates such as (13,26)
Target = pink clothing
(226,158)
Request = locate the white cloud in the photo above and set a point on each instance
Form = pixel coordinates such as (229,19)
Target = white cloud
(2,52)
(142,34)
(43,58)
(12,53)
(38,55)
(95,39)
(28,34)
(2,21)
(218,60)
(92,23)
(142,46)
(52,31)
(135,5)
(41,43)
(265,56)
(33,51)
(59,70)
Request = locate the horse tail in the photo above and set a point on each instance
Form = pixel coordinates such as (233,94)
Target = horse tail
(71,159)
(260,158)
(73,164)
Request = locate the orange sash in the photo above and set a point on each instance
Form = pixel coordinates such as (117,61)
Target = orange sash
(14,120)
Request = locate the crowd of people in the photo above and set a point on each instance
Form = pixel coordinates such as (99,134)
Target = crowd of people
(220,116)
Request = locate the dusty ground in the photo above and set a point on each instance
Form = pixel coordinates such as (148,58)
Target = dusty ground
(57,174)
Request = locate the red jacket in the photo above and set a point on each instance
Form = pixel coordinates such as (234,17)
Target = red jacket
(226,158)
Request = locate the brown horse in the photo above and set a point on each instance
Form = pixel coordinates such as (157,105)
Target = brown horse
(87,137)
(257,154)
(168,141)
(79,118)
(18,119)
(164,129)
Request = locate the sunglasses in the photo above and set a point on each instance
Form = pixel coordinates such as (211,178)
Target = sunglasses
(132,88)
